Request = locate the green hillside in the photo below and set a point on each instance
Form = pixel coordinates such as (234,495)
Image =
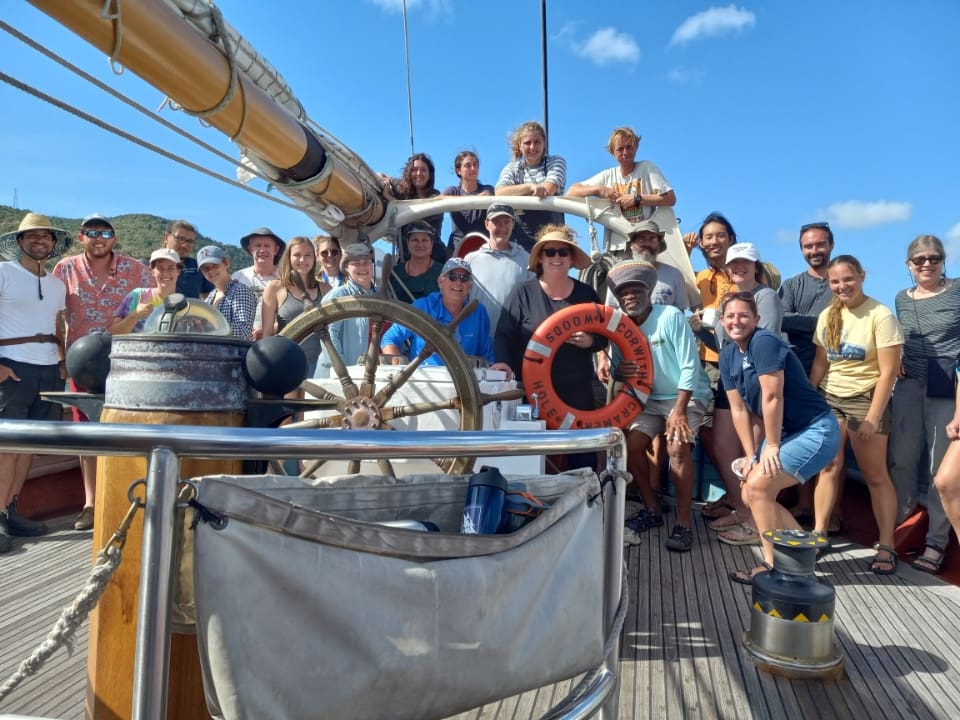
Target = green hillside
(137,234)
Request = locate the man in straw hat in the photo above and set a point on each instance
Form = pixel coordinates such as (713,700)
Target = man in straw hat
(32,302)
(680,397)
(97,281)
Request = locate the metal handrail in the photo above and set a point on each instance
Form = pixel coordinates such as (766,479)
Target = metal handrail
(165,444)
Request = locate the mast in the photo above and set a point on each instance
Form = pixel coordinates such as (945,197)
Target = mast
(152,40)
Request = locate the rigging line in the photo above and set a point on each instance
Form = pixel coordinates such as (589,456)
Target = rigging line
(137,141)
(124,99)
(406,51)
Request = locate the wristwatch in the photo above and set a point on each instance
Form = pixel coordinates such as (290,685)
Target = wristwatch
(637,200)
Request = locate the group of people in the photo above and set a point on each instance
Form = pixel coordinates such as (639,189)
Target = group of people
(772,378)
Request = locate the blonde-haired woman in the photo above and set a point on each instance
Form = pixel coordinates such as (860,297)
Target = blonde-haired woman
(532,172)
(293,293)
(858,356)
(633,184)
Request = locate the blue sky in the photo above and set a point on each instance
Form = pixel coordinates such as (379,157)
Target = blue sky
(775,113)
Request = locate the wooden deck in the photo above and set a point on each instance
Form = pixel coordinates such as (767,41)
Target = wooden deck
(681,655)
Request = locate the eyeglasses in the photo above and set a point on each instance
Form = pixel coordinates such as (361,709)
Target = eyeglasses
(921,260)
(552,252)
(745,296)
(184,240)
(329,253)
(814,226)
(94,234)
(459,277)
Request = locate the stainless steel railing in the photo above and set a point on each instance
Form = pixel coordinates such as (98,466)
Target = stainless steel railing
(163,445)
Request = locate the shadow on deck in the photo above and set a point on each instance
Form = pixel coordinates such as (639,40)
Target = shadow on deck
(681,655)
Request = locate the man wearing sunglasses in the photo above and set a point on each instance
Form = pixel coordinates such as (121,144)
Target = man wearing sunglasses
(97,281)
(473,332)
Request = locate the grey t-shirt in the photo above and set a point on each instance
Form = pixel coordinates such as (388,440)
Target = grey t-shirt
(804,297)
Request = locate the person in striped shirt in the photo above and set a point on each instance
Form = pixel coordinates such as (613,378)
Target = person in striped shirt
(532,172)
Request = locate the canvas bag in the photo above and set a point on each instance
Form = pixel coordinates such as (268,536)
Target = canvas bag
(305,613)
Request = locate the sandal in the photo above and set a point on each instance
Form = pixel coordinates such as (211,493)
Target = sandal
(716,509)
(884,566)
(745,577)
(930,563)
(727,522)
(742,534)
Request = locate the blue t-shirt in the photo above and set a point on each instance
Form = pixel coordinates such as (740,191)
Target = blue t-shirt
(767,353)
(473,333)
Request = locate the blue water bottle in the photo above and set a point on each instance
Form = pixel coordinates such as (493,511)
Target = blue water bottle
(484,504)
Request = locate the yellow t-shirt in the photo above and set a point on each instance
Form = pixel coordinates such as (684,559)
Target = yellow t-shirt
(853,368)
(713,285)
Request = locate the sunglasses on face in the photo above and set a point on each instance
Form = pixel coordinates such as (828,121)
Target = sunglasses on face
(329,253)
(921,260)
(94,234)
(814,226)
(459,277)
(553,252)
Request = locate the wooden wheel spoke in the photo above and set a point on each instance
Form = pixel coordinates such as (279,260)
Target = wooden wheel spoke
(336,362)
(318,392)
(312,467)
(397,381)
(353,467)
(401,411)
(386,467)
(372,361)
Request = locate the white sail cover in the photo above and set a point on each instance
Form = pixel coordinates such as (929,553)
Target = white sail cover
(319,613)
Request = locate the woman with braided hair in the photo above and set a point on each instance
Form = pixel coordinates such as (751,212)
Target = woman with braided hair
(858,356)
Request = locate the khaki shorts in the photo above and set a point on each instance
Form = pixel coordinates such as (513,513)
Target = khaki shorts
(653,420)
(853,411)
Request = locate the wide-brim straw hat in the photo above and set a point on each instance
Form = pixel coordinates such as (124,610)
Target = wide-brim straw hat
(579,259)
(10,248)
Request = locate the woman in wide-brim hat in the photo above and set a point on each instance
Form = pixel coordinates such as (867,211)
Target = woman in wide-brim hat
(10,246)
(533,301)
(551,235)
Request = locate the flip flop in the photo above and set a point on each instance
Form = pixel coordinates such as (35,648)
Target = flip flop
(727,522)
(745,577)
(716,508)
(743,534)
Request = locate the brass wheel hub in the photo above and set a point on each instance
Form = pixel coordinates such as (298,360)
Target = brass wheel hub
(361,413)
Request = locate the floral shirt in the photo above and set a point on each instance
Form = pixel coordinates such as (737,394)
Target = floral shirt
(92,308)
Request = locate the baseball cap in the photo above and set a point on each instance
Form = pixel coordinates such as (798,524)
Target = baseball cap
(210,254)
(164,254)
(498,209)
(743,251)
(96,218)
(455,263)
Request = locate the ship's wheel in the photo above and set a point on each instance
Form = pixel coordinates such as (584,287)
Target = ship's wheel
(364,406)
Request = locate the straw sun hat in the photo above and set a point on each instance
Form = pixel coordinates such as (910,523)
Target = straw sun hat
(10,247)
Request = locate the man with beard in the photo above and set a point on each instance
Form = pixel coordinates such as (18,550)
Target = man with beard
(806,295)
(97,282)
(31,346)
(679,399)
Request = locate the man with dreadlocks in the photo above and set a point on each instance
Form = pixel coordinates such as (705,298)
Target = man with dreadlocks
(32,302)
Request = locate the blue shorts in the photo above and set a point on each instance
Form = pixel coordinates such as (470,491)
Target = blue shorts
(809,451)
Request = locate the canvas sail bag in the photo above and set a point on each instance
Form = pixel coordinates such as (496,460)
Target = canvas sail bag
(306,609)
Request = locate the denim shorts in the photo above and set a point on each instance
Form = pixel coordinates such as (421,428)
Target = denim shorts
(809,451)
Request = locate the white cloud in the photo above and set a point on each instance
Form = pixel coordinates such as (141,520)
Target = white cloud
(713,22)
(433,7)
(607,46)
(852,214)
(682,74)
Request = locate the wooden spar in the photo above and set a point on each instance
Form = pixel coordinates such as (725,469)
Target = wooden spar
(159,46)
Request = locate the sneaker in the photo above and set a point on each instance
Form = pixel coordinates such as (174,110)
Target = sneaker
(84,520)
(680,540)
(6,544)
(630,536)
(20,526)
(645,520)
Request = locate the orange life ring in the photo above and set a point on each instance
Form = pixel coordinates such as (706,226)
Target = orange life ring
(550,336)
